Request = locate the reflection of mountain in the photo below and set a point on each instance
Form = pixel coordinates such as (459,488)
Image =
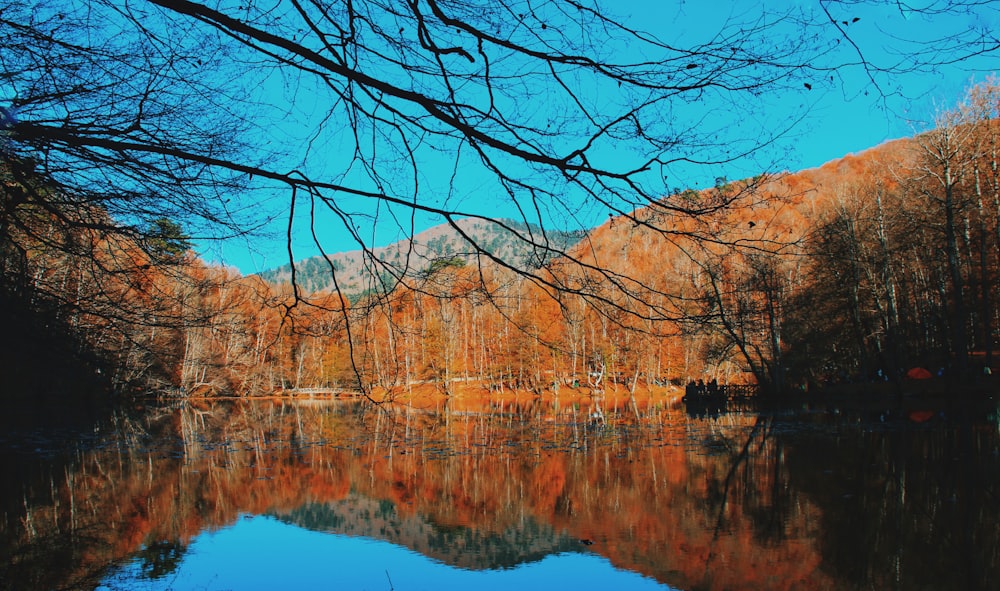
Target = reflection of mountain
(735,504)
(459,546)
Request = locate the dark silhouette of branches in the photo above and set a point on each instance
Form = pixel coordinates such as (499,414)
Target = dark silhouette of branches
(363,113)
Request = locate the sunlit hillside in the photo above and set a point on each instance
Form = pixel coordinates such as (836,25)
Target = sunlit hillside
(729,268)
(858,270)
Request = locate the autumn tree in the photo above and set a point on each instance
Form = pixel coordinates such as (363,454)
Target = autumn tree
(900,264)
(845,318)
(954,175)
(351,113)
(945,166)
(89,225)
(982,108)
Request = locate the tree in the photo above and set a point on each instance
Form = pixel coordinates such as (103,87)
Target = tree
(167,109)
(844,320)
(114,116)
(947,154)
(167,241)
(983,108)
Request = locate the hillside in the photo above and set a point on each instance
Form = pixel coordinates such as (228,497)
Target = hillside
(860,269)
(358,270)
(659,247)
(789,280)
(814,277)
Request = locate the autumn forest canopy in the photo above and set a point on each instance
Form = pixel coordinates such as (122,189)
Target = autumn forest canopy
(131,132)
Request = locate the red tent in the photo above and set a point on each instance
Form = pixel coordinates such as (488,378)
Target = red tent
(919,373)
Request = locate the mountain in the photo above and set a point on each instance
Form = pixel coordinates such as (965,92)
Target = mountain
(357,271)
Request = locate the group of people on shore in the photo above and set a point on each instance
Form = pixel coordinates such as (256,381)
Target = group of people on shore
(702,389)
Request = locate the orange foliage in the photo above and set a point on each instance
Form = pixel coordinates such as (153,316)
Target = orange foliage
(622,320)
(479,471)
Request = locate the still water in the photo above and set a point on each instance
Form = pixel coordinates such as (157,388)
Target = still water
(339,495)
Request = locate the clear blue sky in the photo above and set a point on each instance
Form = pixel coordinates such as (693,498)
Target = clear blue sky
(843,111)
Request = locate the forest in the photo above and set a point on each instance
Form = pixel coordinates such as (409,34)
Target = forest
(855,271)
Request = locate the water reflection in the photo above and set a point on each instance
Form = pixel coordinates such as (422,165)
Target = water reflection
(816,499)
(264,553)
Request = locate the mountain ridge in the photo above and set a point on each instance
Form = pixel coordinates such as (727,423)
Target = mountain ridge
(359,271)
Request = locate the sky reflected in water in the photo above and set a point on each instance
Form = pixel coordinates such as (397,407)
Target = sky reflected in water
(260,552)
(271,495)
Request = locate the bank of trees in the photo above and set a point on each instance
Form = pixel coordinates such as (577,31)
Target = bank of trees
(858,270)
(868,266)
(902,265)
(125,122)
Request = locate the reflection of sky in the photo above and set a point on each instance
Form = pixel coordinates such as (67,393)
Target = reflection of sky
(263,553)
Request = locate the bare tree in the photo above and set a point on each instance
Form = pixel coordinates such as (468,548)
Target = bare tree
(367,113)
(155,106)
(946,165)
(152,108)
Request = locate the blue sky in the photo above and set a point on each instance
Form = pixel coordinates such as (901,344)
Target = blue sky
(831,114)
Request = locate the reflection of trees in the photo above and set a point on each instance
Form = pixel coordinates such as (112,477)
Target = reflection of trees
(749,500)
(904,508)
(738,507)
(159,559)
(756,480)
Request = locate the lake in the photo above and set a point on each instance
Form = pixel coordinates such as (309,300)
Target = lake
(342,495)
